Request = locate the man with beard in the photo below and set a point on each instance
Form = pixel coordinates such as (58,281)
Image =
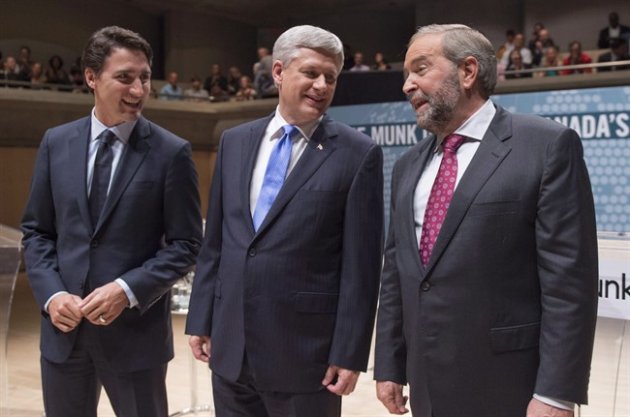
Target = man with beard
(489,291)
(285,290)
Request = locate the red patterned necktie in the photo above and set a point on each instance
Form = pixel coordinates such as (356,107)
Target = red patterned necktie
(440,197)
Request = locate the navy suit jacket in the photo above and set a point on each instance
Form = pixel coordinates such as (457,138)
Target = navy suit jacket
(300,293)
(148,235)
(506,306)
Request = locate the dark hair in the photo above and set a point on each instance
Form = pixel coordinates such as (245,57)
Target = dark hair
(101,43)
(55,58)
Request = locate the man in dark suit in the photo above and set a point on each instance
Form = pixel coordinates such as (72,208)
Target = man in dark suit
(489,292)
(285,290)
(112,221)
(612,31)
(618,52)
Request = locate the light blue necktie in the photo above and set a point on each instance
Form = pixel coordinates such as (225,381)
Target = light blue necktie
(274,175)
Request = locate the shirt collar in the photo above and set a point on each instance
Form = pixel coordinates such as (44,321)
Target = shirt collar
(476,126)
(122,130)
(306,130)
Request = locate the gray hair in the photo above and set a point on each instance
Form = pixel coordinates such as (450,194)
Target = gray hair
(461,41)
(289,43)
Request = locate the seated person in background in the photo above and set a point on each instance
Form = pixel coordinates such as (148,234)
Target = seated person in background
(246,90)
(233,80)
(9,75)
(55,73)
(576,57)
(263,80)
(518,44)
(24,63)
(37,75)
(515,63)
(550,60)
(171,91)
(216,78)
(217,94)
(380,64)
(358,63)
(195,92)
(504,50)
(612,31)
(618,52)
(535,35)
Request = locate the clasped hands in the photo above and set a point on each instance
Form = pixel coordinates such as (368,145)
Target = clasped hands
(101,307)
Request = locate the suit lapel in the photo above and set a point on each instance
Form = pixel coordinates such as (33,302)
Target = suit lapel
(78,151)
(407,191)
(491,152)
(132,157)
(318,149)
(249,153)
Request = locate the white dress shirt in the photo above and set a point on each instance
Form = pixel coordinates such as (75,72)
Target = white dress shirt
(274,132)
(122,132)
(473,130)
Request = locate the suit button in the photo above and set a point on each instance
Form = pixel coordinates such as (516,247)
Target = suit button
(425,286)
(94,243)
(252,252)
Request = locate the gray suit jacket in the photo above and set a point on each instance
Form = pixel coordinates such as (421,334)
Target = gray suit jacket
(148,235)
(507,303)
(300,293)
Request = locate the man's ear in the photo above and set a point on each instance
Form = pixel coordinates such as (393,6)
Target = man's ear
(469,73)
(90,78)
(276,72)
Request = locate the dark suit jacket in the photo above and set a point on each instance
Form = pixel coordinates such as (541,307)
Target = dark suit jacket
(300,293)
(148,235)
(604,37)
(507,303)
(607,57)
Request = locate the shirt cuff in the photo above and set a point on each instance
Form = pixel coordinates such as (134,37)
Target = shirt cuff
(565,405)
(50,299)
(133,301)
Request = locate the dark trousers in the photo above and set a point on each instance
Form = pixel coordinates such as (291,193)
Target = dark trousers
(244,398)
(72,388)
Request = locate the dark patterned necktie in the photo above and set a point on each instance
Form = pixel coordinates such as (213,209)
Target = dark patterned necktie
(440,197)
(101,175)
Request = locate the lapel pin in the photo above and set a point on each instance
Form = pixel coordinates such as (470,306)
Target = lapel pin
(320,147)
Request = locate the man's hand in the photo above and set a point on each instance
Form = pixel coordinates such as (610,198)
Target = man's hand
(391,395)
(103,305)
(345,383)
(64,311)
(537,408)
(200,346)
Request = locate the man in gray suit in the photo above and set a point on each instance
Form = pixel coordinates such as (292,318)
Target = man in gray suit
(285,290)
(112,221)
(489,291)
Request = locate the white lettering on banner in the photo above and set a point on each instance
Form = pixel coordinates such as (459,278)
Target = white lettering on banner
(394,135)
(614,279)
(597,126)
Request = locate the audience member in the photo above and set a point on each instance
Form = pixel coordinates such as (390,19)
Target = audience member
(618,52)
(233,80)
(348,60)
(515,63)
(380,63)
(550,60)
(612,31)
(55,73)
(195,92)
(37,78)
(171,91)
(576,57)
(217,94)
(263,79)
(24,63)
(358,63)
(538,26)
(246,91)
(9,75)
(216,78)
(518,44)
(504,50)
